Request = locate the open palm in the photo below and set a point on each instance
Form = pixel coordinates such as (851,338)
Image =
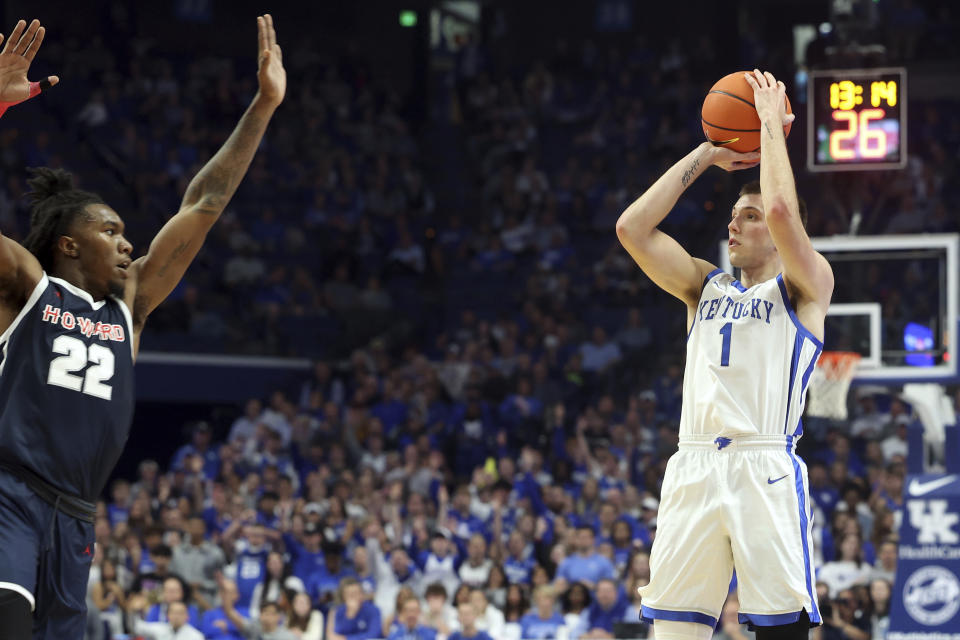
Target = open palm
(15,60)
(270,71)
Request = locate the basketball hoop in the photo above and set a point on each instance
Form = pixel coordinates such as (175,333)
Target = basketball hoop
(829,384)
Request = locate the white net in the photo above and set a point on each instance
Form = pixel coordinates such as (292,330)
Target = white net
(829,384)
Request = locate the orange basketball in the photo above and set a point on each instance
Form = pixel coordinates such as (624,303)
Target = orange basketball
(729,117)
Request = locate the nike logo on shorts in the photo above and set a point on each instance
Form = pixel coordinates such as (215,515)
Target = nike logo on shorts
(769,481)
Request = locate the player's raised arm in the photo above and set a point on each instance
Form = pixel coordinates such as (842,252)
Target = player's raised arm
(19,269)
(15,59)
(173,249)
(661,257)
(803,268)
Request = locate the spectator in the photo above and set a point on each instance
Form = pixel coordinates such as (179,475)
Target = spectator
(440,563)
(277,584)
(489,618)
(586,565)
(355,618)
(174,591)
(600,353)
(267,627)
(410,627)
(730,625)
(323,584)
(886,565)
(609,608)
(305,621)
(545,621)
(880,592)
(198,561)
(440,615)
(245,427)
(496,587)
(517,605)
(518,566)
(468,628)
(476,570)
(216,625)
(848,569)
(201,448)
(251,551)
(847,620)
(149,582)
(175,627)
(306,553)
(576,601)
(108,597)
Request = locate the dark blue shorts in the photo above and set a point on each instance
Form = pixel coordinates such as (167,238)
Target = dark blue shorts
(45,557)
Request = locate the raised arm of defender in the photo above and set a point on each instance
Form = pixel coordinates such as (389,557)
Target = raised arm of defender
(806,272)
(661,257)
(19,269)
(173,249)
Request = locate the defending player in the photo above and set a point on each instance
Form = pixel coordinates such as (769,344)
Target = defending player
(735,495)
(72,308)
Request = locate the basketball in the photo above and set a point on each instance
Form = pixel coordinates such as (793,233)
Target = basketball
(729,117)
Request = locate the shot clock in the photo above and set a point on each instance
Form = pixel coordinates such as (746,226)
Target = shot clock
(857,119)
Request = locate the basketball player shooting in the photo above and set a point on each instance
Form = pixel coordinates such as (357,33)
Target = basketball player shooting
(73,305)
(735,495)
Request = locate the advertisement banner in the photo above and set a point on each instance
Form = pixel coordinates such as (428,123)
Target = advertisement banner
(926,597)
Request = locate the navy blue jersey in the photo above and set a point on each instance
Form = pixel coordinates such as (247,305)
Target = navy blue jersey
(66,387)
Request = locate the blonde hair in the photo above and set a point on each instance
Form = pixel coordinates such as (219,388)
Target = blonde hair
(544,590)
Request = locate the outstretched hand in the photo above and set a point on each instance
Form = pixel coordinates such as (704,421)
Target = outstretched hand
(270,72)
(15,59)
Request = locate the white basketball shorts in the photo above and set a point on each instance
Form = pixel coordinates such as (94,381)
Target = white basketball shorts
(726,504)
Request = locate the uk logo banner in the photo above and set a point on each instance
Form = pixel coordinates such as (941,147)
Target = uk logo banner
(926,596)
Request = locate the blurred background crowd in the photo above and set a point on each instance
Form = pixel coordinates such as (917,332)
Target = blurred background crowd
(497,386)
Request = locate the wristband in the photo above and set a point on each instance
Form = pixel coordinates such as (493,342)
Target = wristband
(35,89)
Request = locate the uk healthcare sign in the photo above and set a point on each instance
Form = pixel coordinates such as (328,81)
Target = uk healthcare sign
(926,597)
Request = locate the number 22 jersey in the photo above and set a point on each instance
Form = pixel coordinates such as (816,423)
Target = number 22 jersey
(66,387)
(749,361)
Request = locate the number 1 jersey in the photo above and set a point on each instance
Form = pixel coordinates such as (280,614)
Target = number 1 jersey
(66,387)
(749,361)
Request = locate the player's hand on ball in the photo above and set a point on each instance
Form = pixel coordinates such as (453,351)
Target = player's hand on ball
(270,72)
(15,59)
(730,160)
(769,96)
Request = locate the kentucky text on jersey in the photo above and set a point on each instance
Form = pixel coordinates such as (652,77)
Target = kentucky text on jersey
(749,361)
(736,310)
(85,326)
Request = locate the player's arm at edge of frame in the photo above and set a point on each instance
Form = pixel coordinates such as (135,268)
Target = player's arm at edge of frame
(805,271)
(20,271)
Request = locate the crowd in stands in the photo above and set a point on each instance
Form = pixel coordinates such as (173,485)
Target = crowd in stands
(488,465)
(373,503)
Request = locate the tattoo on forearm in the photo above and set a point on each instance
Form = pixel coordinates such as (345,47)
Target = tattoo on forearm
(769,130)
(211,189)
(690,172)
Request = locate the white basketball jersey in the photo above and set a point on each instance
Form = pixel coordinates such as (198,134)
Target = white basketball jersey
(748,361)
